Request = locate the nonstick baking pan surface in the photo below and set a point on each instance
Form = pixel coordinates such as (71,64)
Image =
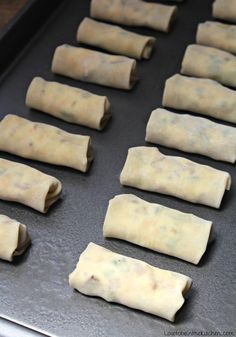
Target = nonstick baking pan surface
(34,290)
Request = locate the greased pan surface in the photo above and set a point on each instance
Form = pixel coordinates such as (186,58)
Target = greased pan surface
(34,290)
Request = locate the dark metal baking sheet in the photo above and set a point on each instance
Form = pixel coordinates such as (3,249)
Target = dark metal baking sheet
(34,290)
(22,27)
(11,329)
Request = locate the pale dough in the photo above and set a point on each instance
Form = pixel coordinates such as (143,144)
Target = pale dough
(115,39)
(95,67)
(225,10)
(14,238)
(208,62)
(134,13)
(218,35)
(71,104)
(148,169)
(201,95)
(28,186)
(192,134)
(157,227)
(134,283)
(45,143)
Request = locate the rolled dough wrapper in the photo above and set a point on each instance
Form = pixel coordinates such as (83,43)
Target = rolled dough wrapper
(148,169)
(208,62)
(225,10)
(133,283)
(134,13)
(156,227)
(95,67)
(28,186)
(45,143)
(68,103)
(203,96)
(218,35)
(192,134)
(14,238)
(115,39)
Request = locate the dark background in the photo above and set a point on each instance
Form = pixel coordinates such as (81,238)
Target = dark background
(8,8)
(34,290)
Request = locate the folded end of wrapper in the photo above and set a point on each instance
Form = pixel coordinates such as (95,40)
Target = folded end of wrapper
(23,243)
(168,90)
(223,185)
(34,87)
(172,16)
(89,155)
(93,7)
(106,116)
(215,9)
(188,56)
(53,194)
(57,58)
(133,77)
(200,28)
(185,289)
(147,48)
(208,238)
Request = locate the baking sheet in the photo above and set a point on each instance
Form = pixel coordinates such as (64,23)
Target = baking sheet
(22,27)
(34,290)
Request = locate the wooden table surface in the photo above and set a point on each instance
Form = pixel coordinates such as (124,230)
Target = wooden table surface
(8,8)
